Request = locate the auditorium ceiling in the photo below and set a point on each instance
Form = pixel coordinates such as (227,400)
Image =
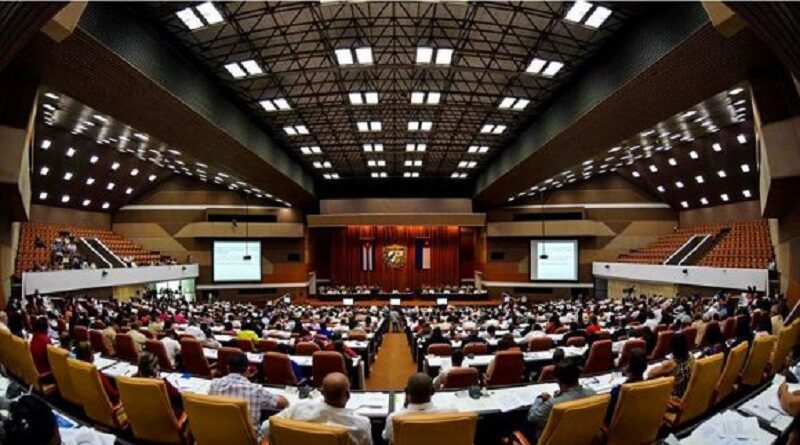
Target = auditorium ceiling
(703,156)
(393,89)
(88,160)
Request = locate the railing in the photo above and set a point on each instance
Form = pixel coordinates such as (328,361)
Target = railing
(71,280)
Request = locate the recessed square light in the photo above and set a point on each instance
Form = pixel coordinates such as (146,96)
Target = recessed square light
(134,172)
(699,179)
(68,176)
(364,55)
(703,201)
(693,154)
(636,174)
(716,146)
(597,17)
(128,191)
(661,188)
(42,195)
(89,180)
(746,193)
(653,168)
(65,198)
(721,173)
(115,166)
(679,184)
(44,170)
(444,56)
(45,144)
(552,69)
(578,11)
(106,205)
(724,197)
(70,152)
(110,186)
(684,204)
(344,56)
(742,139)
(86,202)
(424,54)
(745,168)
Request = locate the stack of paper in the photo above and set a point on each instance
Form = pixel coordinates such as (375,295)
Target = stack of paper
(120,368)
(729,427)
(369,404)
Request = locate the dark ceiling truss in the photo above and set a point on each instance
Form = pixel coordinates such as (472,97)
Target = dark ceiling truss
(294,43)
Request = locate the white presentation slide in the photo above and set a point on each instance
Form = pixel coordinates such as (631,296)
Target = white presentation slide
(230,263)
(554,260)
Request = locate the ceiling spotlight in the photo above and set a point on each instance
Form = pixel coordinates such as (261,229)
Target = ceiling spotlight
(106,205)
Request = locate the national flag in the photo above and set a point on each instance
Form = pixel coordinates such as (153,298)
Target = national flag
(423,253)
(367,256)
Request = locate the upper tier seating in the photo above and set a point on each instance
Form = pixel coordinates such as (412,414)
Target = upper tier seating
(29,256)
(738,245)
(747,245)
(661,249)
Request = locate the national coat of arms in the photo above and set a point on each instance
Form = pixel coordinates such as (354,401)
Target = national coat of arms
(395,255)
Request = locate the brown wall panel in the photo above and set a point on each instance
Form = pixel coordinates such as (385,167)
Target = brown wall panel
(58,215)
(740,211)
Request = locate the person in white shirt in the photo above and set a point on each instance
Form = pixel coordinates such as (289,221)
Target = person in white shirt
(330,411)
(172,346)
(419,391)
(194,329)
(456,360)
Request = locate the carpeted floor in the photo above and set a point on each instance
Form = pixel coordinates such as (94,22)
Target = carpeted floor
(393,365)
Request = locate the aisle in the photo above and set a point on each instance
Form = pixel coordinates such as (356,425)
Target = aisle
(393,365)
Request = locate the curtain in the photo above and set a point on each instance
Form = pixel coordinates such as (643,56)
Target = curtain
(345,256)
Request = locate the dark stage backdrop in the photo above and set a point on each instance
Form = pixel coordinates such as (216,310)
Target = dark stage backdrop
(346,249)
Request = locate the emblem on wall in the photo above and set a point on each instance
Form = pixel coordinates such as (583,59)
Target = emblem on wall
(395,256)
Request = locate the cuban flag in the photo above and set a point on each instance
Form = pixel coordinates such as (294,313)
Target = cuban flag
(367,256)
(423,253)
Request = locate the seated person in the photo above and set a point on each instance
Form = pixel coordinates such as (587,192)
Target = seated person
(567,373)
(149,368)
(30,422)
(574,331)
(236,384)
(637,365)
(172,346)
(419,391)
(680,366)
(38,345)
(332,410)
(456,360)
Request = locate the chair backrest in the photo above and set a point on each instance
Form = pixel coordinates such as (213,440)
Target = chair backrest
(244,344)
(476,348)
(27,368)
(562,330)
(639,411)
(660,327)
(783,347)
(540,344)
(157,348)
(440,349)
(266,345)
(548,374)
(94,399)
(215,419)
(149,410)
(690,334)
(7,357)
(757,360)
(507,368)
(57,358)
(223,356)
(575,421)
(599,359)
(306,348)
(324,363)
(193,359)
(729,327)
(278,369)
(284,431)
(697,398)
(627,348)
(602,335)
(733,366)
(80,333)
(358,336)
(663,345)
(98,343)
(461,377)
(704,341)
(438,428)
(147,333)
(576,341)
(126,350)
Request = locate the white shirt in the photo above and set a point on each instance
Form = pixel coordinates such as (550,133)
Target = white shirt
(196,332)
(317,411)
(173,348)
(388,432)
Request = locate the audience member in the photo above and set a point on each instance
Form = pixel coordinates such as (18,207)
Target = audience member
(567,374)
(680,366)
(150,368)
(418,393)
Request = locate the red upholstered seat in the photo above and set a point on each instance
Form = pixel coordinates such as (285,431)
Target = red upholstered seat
(458,378)
(98,343)
(278,369)
(599,359)
(663,345)
(629,346)
(266,345)
(548,374)
(306,348)
(223,356)
(244,345)
(476,348)
(80,333)
(324,363)
(540,344)
(440,349)
(126,350)
(157,348)
(507,368)
(193,359)
(576,341)
(691,337)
